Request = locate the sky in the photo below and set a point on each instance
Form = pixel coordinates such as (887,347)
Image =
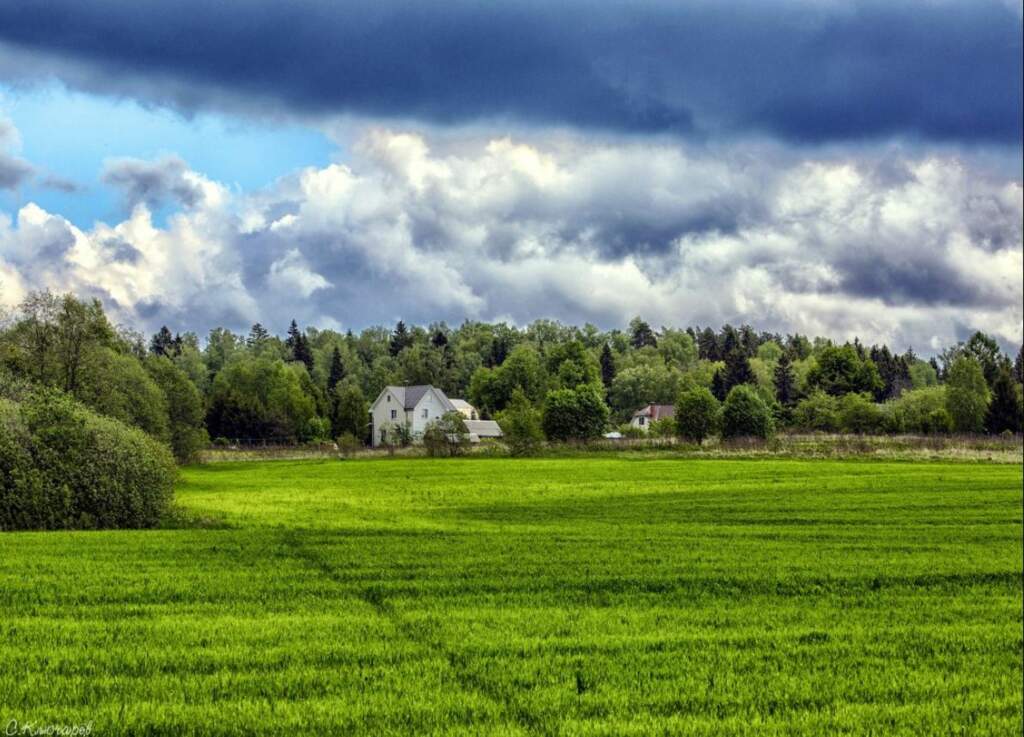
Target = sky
(830,168)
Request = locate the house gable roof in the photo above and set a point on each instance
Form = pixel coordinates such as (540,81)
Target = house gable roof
(410,396)
(656,411)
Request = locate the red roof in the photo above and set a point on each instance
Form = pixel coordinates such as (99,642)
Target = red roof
(656,411)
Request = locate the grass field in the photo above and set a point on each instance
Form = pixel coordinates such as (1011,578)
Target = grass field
(556,596)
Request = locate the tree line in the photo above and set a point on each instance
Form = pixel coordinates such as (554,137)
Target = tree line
(546,380)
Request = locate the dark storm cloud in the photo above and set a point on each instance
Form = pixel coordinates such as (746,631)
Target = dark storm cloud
(152,182)
(801,71)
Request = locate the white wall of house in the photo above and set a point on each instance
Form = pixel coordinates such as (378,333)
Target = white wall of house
(427,410)
(387,410)
(641,423)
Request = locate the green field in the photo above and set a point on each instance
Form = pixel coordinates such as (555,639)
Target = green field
(555,596)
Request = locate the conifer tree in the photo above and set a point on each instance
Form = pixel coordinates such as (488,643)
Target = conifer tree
(1004,412)
(785,382)
(607,366)
(400,339)
(162,343)
(257,336)
(337,371)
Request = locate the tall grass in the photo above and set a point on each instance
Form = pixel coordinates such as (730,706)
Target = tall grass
(580,596)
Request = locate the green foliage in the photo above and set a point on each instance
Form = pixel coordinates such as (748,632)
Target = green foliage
(678,349)
(744,414)
(859,414)
(348,444)
(260,398)
(571,364)
(770,352)
(318,430)
(446,436)
(118,385)
(607,362)
(641,334)
(491,389)
(337,370)
(521,426)
(841,370)
(185,412)
(985,350)
(967,395)
(65,467)
(1006,412)
(351,411)
(737,369)
(784,381)
(574,414)
(400,339)
(698,414)
(637,386)
(919,411)
(817,413)
(663,428)
(922,374)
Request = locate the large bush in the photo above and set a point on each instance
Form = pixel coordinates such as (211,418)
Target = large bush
(818,412)
(521,426)
(575,414)
(64,467)
(858,414)
(697,414)
(744,414)
(967,395)
(446,436)
(919,411)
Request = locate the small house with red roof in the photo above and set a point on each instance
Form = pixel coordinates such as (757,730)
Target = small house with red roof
(643,418)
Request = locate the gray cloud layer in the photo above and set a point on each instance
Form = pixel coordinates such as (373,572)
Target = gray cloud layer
(908,249)
(799,70)
(155,183)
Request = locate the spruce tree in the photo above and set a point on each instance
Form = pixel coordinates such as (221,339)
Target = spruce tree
(718,386)
(785,382)
(1004,413)
(400,339)
(298,344)
(607,366)
(162,343)
(337,371)
(302,352)
(641,334)
(707,345)
(293,337)
(257,336)
(737,369)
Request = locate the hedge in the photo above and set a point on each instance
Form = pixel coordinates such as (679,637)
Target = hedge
(65,467)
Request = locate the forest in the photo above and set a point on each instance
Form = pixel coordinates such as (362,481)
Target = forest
(545,380)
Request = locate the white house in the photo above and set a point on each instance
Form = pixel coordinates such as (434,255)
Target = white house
(412,406)
(468,410)
(643,418)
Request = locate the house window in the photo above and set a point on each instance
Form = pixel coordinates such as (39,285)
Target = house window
(389,397)
(426,413)
(641,421)
(394,414)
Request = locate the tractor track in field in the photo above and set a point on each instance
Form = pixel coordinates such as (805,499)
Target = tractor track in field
(467,680)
